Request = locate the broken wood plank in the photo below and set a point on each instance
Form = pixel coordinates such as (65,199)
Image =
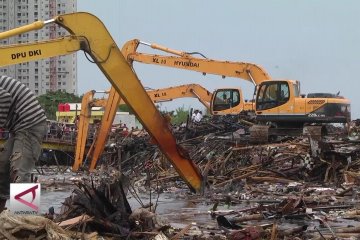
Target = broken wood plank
(76,220)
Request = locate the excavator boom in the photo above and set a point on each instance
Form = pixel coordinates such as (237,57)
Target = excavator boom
(88,33)
(182,91)
(247,71)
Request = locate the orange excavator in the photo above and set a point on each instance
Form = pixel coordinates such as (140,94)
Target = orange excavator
(88,33)
(279,104)
(182,60)
(156,95)
(279,107)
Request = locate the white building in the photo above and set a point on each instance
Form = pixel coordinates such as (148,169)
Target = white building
(52,74)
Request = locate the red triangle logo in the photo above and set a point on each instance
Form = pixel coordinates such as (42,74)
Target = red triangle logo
(29,204)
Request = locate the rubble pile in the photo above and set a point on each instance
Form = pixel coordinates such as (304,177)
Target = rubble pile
(291,188)
(226,126)
(284,182)
(13,227)
(103,208)
(224,159)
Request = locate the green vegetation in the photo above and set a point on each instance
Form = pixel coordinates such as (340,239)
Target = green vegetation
(125,108)
(51,100)
(179,115)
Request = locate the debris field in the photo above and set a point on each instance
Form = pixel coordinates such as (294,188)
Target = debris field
(289,188)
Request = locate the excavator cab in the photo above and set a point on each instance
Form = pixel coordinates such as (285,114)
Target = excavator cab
(272,94)
(226,101)
(280,102)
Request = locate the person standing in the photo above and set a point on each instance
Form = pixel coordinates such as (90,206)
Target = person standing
(198,116)
(193,116)
(24,118)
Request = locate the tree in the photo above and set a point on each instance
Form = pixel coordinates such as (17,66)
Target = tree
(51,100)
(180,115)
(125,108)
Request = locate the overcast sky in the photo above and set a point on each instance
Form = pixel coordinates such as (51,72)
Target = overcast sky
(314,41)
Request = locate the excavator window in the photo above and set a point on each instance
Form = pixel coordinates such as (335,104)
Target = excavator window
(284,92)
(272,94)
(226,99)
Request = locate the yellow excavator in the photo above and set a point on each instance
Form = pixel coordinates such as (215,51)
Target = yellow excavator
(156,95)
(278,103)
(88,33)
(278,106)
(247,71)
(160,95)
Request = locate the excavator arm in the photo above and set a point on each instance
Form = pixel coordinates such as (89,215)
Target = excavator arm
(182,60)
(182,91)
(87,103)
(88,33)
(83,126)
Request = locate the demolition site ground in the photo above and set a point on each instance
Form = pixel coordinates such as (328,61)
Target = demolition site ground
(290,188)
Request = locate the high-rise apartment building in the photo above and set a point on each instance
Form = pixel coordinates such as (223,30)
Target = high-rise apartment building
(52,74)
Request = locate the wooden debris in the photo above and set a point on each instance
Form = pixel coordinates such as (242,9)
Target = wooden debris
(76,220)
(269,189)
